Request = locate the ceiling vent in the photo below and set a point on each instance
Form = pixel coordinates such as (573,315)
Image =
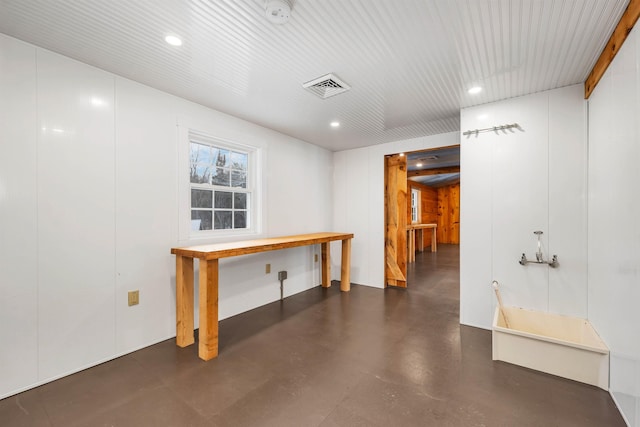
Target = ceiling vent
(326,86)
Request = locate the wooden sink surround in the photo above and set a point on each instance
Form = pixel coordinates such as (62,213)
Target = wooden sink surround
(208,280)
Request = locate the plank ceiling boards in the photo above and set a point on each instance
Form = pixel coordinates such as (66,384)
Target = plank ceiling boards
(409,63)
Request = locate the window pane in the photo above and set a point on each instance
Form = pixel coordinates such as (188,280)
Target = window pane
(200,174)
(200,153)
(240,200)
(204,217)
(221,177)
(239,161)
(221,158)
(201,198)
(240,219)
(222,220)
(220,187)
(239,179)
(223,200)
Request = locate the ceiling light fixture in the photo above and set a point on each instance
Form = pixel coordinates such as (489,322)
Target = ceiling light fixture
(173,40)
(277,11)
(334,124)
(419,165)
(474,90)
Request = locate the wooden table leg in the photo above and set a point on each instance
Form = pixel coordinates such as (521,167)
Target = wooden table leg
(345,276)
(326,265)
(184,301)
(434,247)
(412,246)
(208,334)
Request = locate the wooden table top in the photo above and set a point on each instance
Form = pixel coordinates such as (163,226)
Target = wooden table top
(419,226)
(245,247)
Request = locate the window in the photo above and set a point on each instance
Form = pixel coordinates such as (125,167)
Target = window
(221,184)
(415,205)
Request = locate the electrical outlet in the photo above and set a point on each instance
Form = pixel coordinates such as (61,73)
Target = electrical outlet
(134,298)
(267,269)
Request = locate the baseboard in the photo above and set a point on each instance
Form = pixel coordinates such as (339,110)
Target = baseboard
(619,408)
(75,371)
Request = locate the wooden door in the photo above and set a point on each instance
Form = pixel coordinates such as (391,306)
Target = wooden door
(395,206)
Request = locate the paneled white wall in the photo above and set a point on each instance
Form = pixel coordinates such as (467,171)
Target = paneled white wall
(18,217)
(358,185)
(76,220)
(89,202)
(514,183)
(614,221)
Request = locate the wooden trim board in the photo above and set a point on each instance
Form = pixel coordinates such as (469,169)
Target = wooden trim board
(619,35)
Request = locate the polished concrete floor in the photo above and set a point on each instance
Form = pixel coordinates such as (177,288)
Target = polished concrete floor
(370,357)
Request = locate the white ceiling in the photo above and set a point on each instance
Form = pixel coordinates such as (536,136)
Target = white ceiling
(409,62)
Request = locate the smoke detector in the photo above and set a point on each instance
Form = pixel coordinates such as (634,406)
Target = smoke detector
(278,11)
(326,86)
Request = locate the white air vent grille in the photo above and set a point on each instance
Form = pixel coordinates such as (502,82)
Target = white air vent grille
(326,86)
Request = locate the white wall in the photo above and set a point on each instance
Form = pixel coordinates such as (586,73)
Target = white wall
(514,183)
(358,186)
(614,221)
(89,210)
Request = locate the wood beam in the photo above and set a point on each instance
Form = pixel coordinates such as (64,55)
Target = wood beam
(619,35)
(436,171)
(396,220)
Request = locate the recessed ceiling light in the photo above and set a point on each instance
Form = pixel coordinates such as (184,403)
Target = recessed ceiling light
(474,90)
(419,165)
(335,124)
(173,40)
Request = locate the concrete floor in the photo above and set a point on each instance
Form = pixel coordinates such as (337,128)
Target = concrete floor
(370,357)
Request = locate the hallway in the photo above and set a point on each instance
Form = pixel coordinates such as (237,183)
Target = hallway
(370,357)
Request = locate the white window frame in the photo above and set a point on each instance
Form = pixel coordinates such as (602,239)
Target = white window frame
(253,189)
(415,206)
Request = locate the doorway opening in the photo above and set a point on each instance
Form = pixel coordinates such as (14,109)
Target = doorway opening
(422,207)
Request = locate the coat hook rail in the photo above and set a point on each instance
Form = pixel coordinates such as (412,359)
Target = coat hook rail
(492,129)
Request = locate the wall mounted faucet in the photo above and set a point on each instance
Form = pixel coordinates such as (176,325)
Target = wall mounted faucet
(539,252)
(539,258)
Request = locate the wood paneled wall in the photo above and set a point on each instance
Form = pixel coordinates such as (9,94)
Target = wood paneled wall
(449,214)
(440,206)
(428,206)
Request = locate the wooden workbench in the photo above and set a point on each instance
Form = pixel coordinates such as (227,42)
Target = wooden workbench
(208,280)
(412,240)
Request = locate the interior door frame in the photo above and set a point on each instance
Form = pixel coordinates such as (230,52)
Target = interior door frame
(395,220)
